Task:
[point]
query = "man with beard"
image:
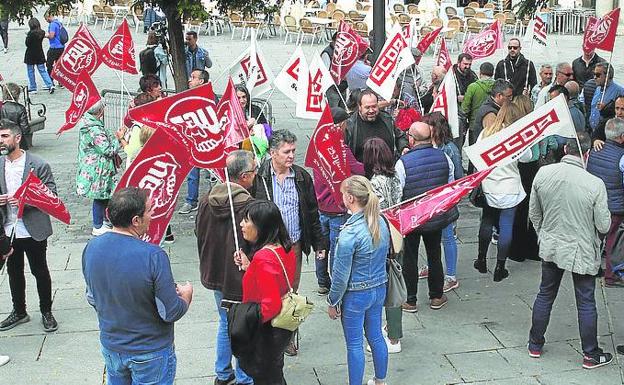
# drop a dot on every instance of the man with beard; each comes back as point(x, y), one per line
point(463, 74)
point(30, 232)
point(514, 69)
point(369, 122)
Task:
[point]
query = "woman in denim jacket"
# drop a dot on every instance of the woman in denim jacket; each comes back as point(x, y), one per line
point(358, 287)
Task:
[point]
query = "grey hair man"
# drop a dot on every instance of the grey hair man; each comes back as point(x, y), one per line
point(563, 74)
point(606, 91)
point(216, 265)
point(291, 188)
point(608, 165)
point(546, 76)
point(569, 243)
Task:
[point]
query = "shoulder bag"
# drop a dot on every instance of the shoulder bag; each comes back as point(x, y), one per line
point(295, 308)
point(396, 291)
point(477, 197)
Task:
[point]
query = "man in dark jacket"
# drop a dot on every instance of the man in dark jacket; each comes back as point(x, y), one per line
point(12, 110)
point(369, 122)
point(514, 69)
point(421, 169)
point(463, 74)
point(608, 165)
point(583, 66)
point(501, 94)
point(291, 188)
point(215, 243)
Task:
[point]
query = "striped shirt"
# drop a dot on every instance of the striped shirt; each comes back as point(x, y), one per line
point(286, 198)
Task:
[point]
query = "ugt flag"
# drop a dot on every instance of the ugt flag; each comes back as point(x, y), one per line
point(444, 58)
point(160, 168)
point(446, 102)
point(349, 47)
point(313, 82)
point(395, 57)
point(286, 80)
point(600, 31)
point(85, 95)
point(409, 215)
point(118, 52)
point(252, 70)
point(327, 154)
point(34, 193)
point(506, 146)
point(486, 42)
point(82, 53)
point(191, 118)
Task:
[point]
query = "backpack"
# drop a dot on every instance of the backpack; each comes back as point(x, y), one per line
point(63, 35)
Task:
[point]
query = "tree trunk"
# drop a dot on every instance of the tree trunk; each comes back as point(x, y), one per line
point(176, 45)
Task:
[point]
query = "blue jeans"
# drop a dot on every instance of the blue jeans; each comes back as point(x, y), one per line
point(361, 311)
point(32, 84)
point(157, 367)
point(192, 194)
point(330, 226)
point(489, 218)
point(584, 287)
point(223, 363)
point(450, 249)
point(99, 212)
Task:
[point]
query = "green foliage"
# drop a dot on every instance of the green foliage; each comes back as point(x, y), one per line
point(530, 7)
point(22, 10)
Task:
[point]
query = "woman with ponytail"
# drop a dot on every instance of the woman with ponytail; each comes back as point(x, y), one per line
point(358, 287)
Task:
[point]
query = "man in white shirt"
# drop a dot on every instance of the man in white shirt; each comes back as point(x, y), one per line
point(30, 232)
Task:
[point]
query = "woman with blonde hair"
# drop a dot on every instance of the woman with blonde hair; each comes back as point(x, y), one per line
point(358, 287)
point(503, 192)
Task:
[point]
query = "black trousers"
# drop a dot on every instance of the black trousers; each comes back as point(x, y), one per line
point(53, 55)
point(4, 32)
point(36, 253)
point(266, 364)
point(434, 260)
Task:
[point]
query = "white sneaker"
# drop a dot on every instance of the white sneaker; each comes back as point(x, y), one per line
point(4, 360)
point(392, 348)
point(6, 50)
point(372, 382)
point(95, 232)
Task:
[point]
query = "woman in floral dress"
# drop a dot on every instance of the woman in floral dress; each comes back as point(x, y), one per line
point(97, 154)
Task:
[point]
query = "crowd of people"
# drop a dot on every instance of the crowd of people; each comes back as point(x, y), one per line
point(273, 212)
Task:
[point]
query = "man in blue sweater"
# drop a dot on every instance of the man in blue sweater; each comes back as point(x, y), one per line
point(130, 285)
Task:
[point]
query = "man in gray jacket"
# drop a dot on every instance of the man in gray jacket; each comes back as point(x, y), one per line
point(30, 232)
point(569, 211)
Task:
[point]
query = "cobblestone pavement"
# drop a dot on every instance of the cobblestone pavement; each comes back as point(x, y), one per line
point(479, 338)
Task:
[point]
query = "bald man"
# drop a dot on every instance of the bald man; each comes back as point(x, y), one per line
point(437, 75)
point(421, 169)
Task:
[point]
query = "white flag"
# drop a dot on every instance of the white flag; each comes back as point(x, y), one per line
point(506, 146)
point(446, 102)
point(286, 80)
point(311, 89)
point(252, 70)
point(394, 58)
point(537, 33)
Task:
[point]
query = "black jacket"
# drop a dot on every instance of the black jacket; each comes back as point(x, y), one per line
point(243, 322)
point(607, 112)
point(34, 51)
point(355, 141)
point(464, 80)
point(582, 72)
point(516, 73)
point(311, 234)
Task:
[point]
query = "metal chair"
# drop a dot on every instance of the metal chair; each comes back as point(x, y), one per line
point(306, 28)
point(290, 27)
point(398, 8)
point(469, 12)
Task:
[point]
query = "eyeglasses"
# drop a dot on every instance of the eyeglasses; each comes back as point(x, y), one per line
point(255, 169)
point(513, 47)
point(568, 74)
point(597, 74)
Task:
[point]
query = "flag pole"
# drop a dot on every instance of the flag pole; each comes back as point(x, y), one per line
point(229, 190)
point(266, 101)
point(604, 90)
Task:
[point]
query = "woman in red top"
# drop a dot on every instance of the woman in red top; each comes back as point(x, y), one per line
point(265, 283)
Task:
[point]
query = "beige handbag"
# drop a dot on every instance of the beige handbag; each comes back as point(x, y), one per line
point(295, 308)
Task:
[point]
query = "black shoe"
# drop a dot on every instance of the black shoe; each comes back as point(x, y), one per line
point(620, 349)
point(48, 321)
point(597, 361)
point(500, 273)
point(13, 320)
point(481, 265)
point(229, 381)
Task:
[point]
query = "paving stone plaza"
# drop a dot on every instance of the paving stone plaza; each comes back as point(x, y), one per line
point(480, 337)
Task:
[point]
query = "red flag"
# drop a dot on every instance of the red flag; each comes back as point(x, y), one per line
point(327, 154)
point(349, 47)
point(485, 43)
point(191, 118)
point(600, 32)
point(84, 97)
point(160, 168)
point(444, 58)
point(118, 53)
point(231, 117)
point(1, 78)
point(81, 54)
point(409, 215)
point(34, 193)
point(426, 41)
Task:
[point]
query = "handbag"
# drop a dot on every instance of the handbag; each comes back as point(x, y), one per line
point(396, 290)
point(295, 308)
point(477, 197)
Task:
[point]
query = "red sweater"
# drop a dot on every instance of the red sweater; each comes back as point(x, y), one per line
point(264, 282)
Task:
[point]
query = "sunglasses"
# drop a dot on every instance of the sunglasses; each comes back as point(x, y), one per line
point(513, 47)
point(568, 74)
